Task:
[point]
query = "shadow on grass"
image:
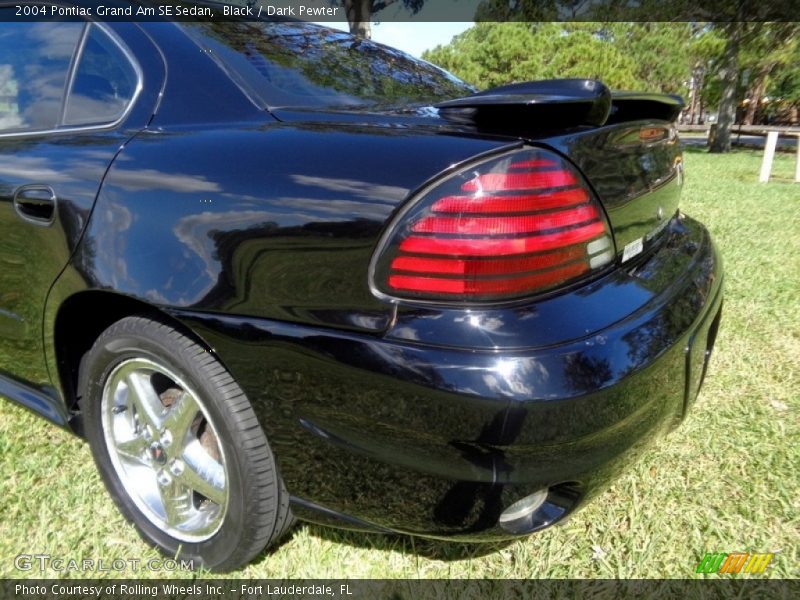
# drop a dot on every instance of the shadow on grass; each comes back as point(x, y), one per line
point(742, 148)
point(404, 544)
point(735, 150)
point(695, 150)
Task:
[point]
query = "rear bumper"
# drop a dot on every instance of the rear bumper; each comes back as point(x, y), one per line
point(399, 434)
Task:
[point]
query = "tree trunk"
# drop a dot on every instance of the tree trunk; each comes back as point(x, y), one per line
point(730, 80)
point(359, 13)
point(697, 86)
point(757, 91)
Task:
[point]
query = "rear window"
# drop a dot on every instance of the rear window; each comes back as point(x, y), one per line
point(305, 65)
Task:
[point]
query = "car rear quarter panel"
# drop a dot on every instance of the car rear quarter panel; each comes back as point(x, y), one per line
point(267, 220)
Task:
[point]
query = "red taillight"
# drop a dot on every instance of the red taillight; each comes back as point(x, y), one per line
point(510, 204)
point(508, 227)
point(506, 224)
point(533, 179)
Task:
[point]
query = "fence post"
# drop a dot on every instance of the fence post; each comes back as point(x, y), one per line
point(797, 167)
point(769, 155)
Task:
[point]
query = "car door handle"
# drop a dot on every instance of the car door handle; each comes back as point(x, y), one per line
point(36, 204)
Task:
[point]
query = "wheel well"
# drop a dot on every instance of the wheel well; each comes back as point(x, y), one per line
point(80, 321)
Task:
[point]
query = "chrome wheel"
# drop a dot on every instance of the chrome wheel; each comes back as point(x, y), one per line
point(165, 449)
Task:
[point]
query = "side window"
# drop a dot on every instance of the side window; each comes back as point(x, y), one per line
point(104, 82)
point(34, 64)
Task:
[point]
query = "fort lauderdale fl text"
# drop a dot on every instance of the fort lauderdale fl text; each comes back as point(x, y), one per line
point(176, 10)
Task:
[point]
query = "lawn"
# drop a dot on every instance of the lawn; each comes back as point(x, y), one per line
point(726, 480)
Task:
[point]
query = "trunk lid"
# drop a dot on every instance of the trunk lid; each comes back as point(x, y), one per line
point(636, 171)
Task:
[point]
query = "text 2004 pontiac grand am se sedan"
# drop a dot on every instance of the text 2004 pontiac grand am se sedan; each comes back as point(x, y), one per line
point(271, 271)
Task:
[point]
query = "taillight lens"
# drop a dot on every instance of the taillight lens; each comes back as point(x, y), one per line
point(507, 227)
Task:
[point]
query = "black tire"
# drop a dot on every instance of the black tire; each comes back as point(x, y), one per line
point(253, 511)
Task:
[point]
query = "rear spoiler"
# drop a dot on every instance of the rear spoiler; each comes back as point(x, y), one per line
point(633, 106)
point(558, 104)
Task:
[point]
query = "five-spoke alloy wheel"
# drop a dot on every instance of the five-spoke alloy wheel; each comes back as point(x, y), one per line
point(165, 449)
point(179, 446)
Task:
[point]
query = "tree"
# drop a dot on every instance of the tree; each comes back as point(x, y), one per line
point(519, 11)
point(705, 49)
point(729, 75)
point(689, 11)
point(663, 52)
point(359, 13)
point(785, 86)
point(772, 45)
point(641, 56)
point(762, 46)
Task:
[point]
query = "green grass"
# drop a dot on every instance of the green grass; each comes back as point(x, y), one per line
point(726, 480)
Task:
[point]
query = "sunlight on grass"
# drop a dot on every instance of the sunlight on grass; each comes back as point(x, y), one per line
point(726, 480)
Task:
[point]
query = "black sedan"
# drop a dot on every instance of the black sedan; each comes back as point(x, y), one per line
point(271, 271)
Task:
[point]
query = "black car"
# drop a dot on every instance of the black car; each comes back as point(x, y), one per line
point(272, 271)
